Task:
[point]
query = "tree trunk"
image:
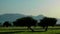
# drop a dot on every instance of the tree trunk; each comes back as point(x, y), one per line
point(46, 28)
point(31, 29)
point(43, 27)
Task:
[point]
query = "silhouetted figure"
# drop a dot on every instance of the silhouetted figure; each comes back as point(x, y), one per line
point(45, 22)
point(25, 21)
point(6, 24)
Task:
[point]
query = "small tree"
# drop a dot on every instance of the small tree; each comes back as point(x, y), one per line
point(6, 23)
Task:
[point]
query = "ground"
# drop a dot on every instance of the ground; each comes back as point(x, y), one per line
point(23, 30)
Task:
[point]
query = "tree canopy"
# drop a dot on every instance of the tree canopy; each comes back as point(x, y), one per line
point(48, 21)
point(25, 21)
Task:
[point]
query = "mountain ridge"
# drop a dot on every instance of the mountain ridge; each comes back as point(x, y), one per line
point(13, 17)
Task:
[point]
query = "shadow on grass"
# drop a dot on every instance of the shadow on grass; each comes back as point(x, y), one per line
point(11, 32)
point(18, 32)
point(36, 31)
point(6, 32)
point(57, 33)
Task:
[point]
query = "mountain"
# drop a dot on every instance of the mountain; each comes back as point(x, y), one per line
point(58, 21)
point(13, 17)
point(38, 18)
point(10, 17)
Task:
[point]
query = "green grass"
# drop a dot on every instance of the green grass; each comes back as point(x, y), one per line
point(23, 30)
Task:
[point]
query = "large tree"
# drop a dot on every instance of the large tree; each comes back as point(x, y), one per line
point(25, 21)
point(45, 22)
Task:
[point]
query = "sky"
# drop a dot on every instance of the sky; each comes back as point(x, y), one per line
point(50, 8)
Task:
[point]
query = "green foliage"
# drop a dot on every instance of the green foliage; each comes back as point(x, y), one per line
point(25, 21)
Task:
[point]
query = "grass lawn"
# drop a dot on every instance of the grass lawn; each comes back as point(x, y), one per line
point(23, 30)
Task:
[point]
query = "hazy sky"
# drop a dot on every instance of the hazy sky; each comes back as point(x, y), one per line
point(50, 8)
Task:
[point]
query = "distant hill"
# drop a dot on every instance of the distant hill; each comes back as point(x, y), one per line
point(13, 17)
point(58, 21)
point(38, 18)
point(10, 17)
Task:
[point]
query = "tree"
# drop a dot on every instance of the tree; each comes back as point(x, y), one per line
point(45, 22)
point(6, 23)
point(25, 21)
